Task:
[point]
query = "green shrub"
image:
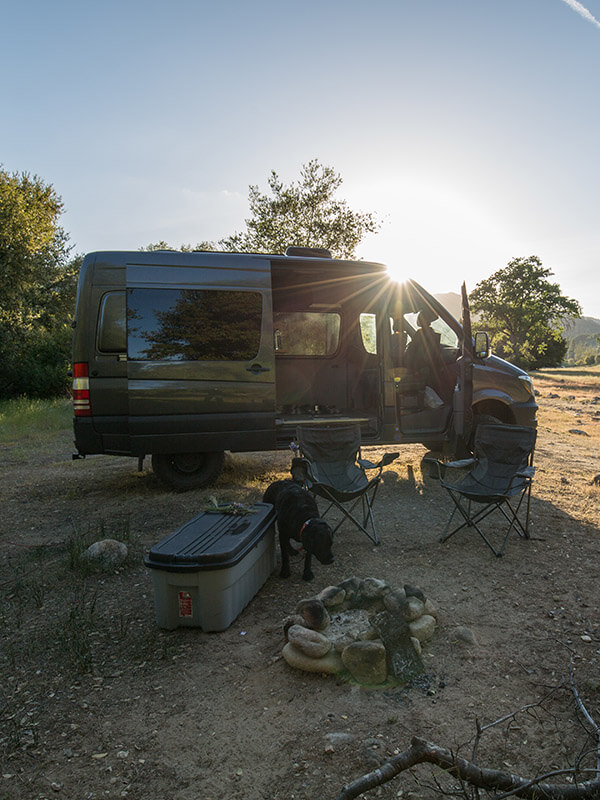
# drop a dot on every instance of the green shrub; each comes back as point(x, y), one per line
point(35, 362)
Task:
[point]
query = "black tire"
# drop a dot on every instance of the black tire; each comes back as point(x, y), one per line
point(184, 471)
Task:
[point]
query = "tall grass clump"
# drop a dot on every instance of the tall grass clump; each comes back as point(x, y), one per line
point(75, 629)
point(30, 418)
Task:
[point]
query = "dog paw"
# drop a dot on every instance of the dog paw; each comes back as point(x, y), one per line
point(308, 576)
point(285, 573)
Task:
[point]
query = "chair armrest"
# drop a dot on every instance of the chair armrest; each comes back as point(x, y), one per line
point(366, 464)
point(443, 465)
point(526, 472)
point(387, 459)
point(463, 463)
point(300, 469)
point(435, 462)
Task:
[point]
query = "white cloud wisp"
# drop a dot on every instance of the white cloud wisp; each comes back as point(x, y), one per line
point(582, 10)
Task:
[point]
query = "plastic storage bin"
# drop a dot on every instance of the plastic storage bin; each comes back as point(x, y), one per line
point(207, 572)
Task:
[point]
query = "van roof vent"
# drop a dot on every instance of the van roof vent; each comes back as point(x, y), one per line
point(308, 252)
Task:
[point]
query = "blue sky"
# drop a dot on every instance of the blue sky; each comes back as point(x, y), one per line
point(470, 127)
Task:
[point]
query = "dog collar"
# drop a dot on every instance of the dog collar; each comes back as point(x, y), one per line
point(306, 524)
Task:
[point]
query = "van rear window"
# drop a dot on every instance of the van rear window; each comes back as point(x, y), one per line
point(111, 323)
point(193, 325)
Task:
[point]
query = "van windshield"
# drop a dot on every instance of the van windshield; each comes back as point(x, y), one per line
point(448, 337)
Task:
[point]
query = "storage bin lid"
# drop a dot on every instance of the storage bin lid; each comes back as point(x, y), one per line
point(211, 540)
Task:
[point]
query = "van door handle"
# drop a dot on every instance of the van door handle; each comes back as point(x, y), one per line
point(256, 368)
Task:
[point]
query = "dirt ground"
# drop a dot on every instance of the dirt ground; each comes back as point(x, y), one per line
point(97, 702)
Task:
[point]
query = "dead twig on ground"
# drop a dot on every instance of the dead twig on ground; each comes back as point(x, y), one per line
point(423, 752)
point(505, 783)
point(585, 713)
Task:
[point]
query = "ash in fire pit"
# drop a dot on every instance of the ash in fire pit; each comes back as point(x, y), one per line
point(364, 629)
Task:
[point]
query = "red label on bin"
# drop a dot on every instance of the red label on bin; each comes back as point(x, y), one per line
point(185, 604)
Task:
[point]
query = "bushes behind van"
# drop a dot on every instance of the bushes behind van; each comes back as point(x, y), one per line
point(34, 362)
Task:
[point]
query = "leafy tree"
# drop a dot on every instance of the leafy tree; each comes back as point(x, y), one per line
point(524, 312)
point(306, 213)
point(37, 288)
point(184, 248)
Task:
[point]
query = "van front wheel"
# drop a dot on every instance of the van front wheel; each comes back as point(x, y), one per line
point(183, 471)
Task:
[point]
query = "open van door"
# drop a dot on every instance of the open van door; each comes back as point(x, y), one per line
point(463, 392)
point(426, 342)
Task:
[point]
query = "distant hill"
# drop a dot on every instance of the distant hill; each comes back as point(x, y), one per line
point(581, 334)
point(584, 326)
point(451, 301)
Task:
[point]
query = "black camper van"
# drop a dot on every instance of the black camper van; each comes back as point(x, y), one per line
point(183, 356)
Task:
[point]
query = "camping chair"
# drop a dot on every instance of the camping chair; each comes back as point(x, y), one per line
point(499, 477)
point(330, 467)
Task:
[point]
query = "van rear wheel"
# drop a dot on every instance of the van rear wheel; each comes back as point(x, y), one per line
point(183, 471)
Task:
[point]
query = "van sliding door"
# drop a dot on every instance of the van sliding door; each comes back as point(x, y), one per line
point(201, 373)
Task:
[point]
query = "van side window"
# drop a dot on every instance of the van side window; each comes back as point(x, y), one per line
point(112, 336)
point(306, 333)
point(368, 332)
point(193, 324)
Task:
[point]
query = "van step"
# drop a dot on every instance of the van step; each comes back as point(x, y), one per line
point(326, 419)
point(286, 426)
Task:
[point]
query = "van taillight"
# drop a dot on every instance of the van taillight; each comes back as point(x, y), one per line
point(81, 390)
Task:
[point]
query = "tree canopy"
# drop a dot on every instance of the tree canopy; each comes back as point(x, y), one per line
point(524, 312)
point(305, 213)
point(33, 246)
point(37, 287)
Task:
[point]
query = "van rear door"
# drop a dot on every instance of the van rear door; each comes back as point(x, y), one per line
point(200, 369)
point(100, 354)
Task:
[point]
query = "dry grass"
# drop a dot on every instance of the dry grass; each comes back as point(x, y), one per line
point(582, 379)
point(31, 419)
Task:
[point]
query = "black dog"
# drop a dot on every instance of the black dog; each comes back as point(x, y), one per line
point(298, 519)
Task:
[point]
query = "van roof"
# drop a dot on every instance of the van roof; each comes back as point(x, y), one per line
point(170, 257)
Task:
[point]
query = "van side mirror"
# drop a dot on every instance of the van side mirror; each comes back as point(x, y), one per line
point(482, 344)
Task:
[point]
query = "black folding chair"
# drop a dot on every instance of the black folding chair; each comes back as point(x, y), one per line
point(499, 478)
point(331, 467)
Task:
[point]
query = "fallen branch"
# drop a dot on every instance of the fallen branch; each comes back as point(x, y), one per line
point(491, 780)
point(423, 752)
point(585, 713)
